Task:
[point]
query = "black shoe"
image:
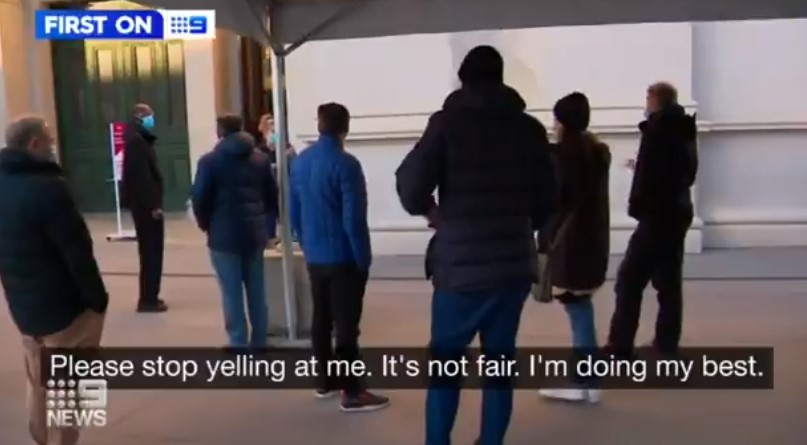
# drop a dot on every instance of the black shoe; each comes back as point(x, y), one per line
point(363, 402)
point(152, 308)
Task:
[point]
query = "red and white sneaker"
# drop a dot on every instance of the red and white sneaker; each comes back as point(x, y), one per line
point(363, 402)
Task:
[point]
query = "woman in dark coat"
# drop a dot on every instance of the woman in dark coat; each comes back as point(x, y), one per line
point(580, 229)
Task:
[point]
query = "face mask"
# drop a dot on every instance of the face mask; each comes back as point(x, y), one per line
point(275, 139)
point(148, 122)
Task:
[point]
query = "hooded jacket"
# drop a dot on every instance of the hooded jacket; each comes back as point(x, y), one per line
point(47, 266)
point(489, 162)
point(666, 166)
point(234, 196)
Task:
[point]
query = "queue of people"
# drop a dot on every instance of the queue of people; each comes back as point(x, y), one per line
point(482, 258)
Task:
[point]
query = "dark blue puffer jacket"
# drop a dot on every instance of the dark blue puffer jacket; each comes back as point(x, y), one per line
point(233, 196)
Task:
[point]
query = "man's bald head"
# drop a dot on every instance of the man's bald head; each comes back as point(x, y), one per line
point(30, 133)
point(141, 110)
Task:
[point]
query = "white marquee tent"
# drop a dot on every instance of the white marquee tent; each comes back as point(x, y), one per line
point(286, 24)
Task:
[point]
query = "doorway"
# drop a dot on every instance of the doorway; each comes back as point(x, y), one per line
point(98, 82)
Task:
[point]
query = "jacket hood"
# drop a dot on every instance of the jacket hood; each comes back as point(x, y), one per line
point(675, 118)
point(240, 145)
point(488, 99)
point(20, 161)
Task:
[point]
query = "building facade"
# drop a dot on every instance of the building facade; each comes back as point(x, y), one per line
point(745, 81)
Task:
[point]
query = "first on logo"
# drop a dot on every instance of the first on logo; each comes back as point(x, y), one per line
point(77, 24)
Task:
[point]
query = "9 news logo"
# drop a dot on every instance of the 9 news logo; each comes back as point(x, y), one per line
point(76, 403)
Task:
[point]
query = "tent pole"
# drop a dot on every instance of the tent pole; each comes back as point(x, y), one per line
point(281, 116)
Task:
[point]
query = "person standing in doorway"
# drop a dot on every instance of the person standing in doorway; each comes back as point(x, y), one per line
point(268, 139)
point(51, 280)
point(577, 236)
point(328, 212)
point(233, 193)
point(267, 143)
point(143, 195)
point(490, 164)
point(661, 201)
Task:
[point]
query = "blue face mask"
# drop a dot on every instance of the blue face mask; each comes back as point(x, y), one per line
point(275, 139)
point(148, 122)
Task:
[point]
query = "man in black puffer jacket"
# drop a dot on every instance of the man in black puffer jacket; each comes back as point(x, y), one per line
point(50, 277)
point(661, 201)
point(234, 194)
point(489, 162)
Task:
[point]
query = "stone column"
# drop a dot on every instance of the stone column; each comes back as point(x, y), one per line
point(228, 72)
point(26, 69)
point(14, 80)
point(200, 87)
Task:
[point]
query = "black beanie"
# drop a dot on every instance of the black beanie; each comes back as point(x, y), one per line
point(573, 112)
point(483, 64)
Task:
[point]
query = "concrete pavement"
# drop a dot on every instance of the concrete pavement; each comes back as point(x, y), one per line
point(186, 256)
point(397, 314)
point(770, 312)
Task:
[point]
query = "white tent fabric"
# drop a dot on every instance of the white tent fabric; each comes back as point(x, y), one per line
point(291, 20)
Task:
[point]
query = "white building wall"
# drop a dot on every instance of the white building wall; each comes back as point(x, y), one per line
point(749, 79)
point(743, 75)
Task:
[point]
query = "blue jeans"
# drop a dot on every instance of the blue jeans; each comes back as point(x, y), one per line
point(235, 274)
point(584, 332)
point(456, 319)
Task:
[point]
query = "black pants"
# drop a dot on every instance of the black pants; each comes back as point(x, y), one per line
point(150, 243)
point(338, 294)
point(655, 254)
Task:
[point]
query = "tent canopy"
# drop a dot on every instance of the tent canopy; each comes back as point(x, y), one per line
point(298, 20)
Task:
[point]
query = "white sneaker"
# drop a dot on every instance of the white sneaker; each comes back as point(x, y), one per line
point(591, 396)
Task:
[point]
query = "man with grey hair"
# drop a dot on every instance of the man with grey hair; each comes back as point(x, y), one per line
point(50, 277)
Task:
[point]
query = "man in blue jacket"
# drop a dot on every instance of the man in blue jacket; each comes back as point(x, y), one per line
point(233, 195)
point(328, 210)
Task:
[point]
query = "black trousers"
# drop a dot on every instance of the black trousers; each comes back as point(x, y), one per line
point(655, 255)
point(338, 294)
point(150, 245)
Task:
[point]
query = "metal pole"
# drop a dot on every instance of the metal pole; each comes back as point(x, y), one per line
point(280, 115)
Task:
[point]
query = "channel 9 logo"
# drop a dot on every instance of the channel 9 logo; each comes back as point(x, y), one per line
point(76, 403)
point(125, 24)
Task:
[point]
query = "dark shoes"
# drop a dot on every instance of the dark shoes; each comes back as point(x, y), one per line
point(359, 403)
point(152, 308)
point(363, 402)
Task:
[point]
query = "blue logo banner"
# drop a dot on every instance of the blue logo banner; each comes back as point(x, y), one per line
point(109, 25)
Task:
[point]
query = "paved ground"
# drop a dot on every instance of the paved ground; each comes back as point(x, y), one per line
point(186, 256)
point(718, 313)
point(771, 312)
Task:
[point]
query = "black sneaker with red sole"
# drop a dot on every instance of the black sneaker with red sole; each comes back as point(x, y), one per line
point(363, 402)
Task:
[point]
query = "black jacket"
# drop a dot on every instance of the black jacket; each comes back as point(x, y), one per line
point(142, 184)
point(666, 167)
point(234, 196)
point(580, 254)
point(489, 161)
point(47, 266)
